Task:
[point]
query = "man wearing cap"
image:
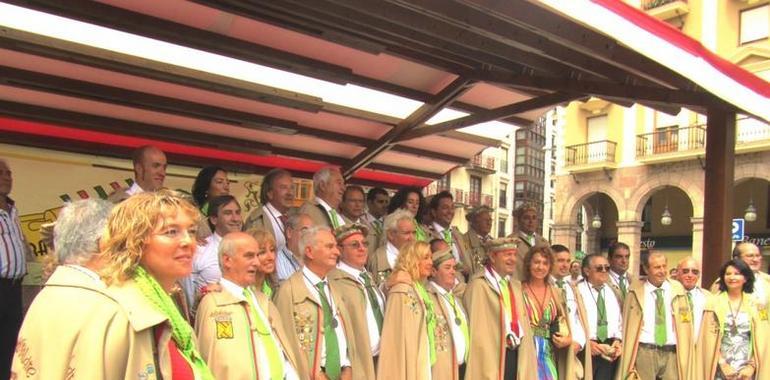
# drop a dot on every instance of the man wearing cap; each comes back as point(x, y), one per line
point(452, 330)
point(328, 186)
point(479, 227)
point(501, 346)
point(442, 211)
point(359, 292)
point(400, 229)
point(527, 222)
point(239, 320)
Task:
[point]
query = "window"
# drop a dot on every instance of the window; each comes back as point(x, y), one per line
point(501, 227)
point(444, 183)
point(504, 160)
point(503, 195)
point(475, 184)
point(754, 24)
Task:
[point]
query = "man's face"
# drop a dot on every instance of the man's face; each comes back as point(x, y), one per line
point(751, 256)
point(504, 261)
point(528, 221)
point(352, 204)
point(292, 235)
point(353, 251)
point(6, 180)
point(379, 206)
point(324, 253)
point(688, 274)
point(619, 261)
point(228, 219)
point(482, 223)
point(404, 233)
point(151, 172)
point(241, 267)
point(598, 271)
point(444, 274)
point(561, 264)
point(281, 194)
point(657, 270)
point(332, 191)
point(444, 213)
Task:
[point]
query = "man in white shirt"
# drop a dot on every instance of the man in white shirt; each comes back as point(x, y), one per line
point(619, 255)
point(224, 317)
point(688, 273)
point(149, 173)
point(442, 210)
point(399, 229)
point(276, 196)
point(446, 295)
point(604, 321)
point(224, 217)
point(572, 303)
point(328, 186)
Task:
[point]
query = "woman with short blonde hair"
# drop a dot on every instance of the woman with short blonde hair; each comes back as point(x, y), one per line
point(266, 282)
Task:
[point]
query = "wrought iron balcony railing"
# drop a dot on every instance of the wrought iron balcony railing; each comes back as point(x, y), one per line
point(592, 152)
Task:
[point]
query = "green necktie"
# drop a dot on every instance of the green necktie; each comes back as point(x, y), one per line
point(560, 284)
point(372, 294)
point(448, 236)
point(335, 221)
point(377, 224)
point(601, 316)
point(506, 297)
point(269, 344)
point(622, 285)
point(461, 318)
point(689, 301)
point(332, 365)
point(660, 318)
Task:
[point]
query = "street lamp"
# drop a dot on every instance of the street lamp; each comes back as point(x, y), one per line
point(596, 222)
point(665, 219)
point(751, 212)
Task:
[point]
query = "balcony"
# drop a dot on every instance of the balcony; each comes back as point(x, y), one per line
point(591, 156)
point(665, 9)
point(671, 144)
point(478, 199)
point(482, 164)
point(751, 135)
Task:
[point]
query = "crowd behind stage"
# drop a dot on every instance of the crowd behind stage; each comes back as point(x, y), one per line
point(154, 284)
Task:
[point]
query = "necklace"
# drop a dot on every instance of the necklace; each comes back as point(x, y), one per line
point(541, 301)
point(734, 315)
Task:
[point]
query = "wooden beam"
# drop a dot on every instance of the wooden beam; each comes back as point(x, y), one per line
point(419, 116)
point(719, 189)
point(493, 114)
point(407, 171)
point(429, 154)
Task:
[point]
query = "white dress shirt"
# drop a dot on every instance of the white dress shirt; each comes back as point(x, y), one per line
point(326, 207)
point(611, 305)
point(699, 298)
point(206, 263)
point(648, 308)
point(391, 253)
point(615, 279)
point(455, 248)
point(461, 346)
point(134, 189)
point(371, 321)
point(311, 279)
point(578, 330)
point(279, 230)
point(263, 364)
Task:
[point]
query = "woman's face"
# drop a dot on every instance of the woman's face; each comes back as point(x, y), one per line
point(267, 258)
point(168, 253)
point(539, 268)
point(412, 203)
point(733, 278)
point(425, 264)
point(219, 185)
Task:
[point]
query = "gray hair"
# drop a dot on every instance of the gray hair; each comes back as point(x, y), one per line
point(309, 237)
point(293, 220)
point(78, 228)
point(392, 219)
point(322, 176)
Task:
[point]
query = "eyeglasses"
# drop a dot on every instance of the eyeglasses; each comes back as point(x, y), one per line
point(688, 271)
point(356, 244)
point(602, 268)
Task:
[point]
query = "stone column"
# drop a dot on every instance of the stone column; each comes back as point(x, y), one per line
point(697, 239)
point(566, 235)
point(630, 232)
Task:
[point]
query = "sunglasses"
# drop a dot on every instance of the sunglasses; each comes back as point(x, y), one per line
point(688, 271)
point(602, 268)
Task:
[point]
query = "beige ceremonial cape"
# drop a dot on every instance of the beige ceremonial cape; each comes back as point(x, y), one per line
point(108, 334)
point(353, 295)
point(227, 336)
point(476, 252)
point(568, 362)
point(486, 320)
point(302, 316)
point(446, 366)
point(258, 220)
point(522, 248)
point(404, 348)
point(378, 264)
point(711, 331)
point(466, 265)
point(632, 328)
point(318, 214)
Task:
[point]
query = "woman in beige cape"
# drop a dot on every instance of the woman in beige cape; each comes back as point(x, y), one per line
point(407, 349)
point(734, 331)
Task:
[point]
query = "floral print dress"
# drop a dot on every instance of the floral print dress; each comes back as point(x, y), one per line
point(540, 322)
point(736, 342)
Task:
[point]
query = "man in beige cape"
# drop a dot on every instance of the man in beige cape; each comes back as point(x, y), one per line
point(399, 230)
point(527, 222)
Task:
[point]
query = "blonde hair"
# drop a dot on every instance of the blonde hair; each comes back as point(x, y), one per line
point(262, 237)
point(409, 258)
point(131, 224)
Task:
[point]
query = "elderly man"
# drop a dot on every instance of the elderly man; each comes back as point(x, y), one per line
point(619, 254)
point(276, 196)
point(501, 346)
point(445, 292)
point(688, 273)
point(749, 253)
point(149, 173)
point(13, 267)
point(573, 302)
point(313, 311)
point(399, 229)
point(70, 296)
point(442, 211)
point(527, 223)
point(359, 291)
point(289, 258)
point(479, 227)
point(657, 329)
point(604, 321)
point(328, 186)
point(239, 319)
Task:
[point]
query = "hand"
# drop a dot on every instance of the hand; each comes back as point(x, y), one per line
point(746, 373)
point(322, 376)
point(210, 288)
point(618, 349)
point(728, 370)
point(346, 374)
point(596, 349)
point(561, 341)
point(397, 277)
point(576, 347)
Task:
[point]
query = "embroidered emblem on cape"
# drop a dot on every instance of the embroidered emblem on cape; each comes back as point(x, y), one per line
point(412, 302)
point(225, 330)
point(442, 334)
point(303, 325)
point(685, 314)
point(762, 310)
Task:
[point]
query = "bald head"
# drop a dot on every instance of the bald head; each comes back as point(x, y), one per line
point(749, 253)
point(149, 167)
point(688, 272)
point(238, 258)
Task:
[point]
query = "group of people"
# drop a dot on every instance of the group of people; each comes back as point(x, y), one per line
point(359, 285)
